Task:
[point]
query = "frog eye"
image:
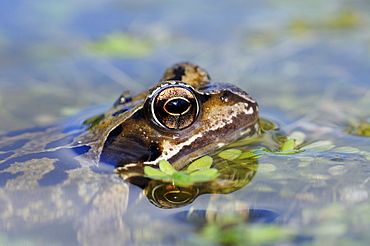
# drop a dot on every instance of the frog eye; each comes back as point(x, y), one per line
point(174, 107)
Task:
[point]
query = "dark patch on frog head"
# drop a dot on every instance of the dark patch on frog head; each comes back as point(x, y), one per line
point(187, 72)
point(203, 98)
point(208, 87)
point(129, 149)
point(113, 135)
point(178, 72)
point(122, 149)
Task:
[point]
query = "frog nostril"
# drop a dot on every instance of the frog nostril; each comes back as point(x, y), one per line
point(225, 96)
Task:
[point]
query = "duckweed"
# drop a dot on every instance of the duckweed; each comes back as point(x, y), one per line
point(198, 172)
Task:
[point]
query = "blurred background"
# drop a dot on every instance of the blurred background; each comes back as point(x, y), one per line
point(59, 57)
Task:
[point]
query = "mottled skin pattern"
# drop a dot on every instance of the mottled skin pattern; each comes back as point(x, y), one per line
point(49, 174)
point(226, 114)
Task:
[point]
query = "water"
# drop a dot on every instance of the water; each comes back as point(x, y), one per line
point(307, 64)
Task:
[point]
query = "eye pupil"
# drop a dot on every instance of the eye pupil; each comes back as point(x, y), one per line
point(173, 106)
point(177, 106)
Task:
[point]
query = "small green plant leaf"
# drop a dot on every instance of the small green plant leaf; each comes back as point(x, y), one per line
point(246, 155)
point(202, 163)
point(183, 183)
point(153, 173)
point(288, 145)
point(180, 176)
point(166, 167)
point(204, 175)
point(230, 154)
point(200, 178)
point(198, 172)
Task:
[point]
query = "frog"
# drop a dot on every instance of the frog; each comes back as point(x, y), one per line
point(182, 117)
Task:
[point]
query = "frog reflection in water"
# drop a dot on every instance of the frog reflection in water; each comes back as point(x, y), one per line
point(183, 117)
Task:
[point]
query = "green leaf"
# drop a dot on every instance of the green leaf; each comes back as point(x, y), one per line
point(200, 178)
point(211, 173)
point(230, 154)
point(288, 145)
point(166, 167)
point(183, 183)
point(180, 176)
point(246, 155)
point(201, 164)
point(152, 172)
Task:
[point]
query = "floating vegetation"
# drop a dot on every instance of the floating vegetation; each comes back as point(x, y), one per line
point(361, 128)
point(342, 19)
point(232, 230)
point(230, 154)
point(289, 147)
point(120, 45)
point(201, 169)
point(203, 163)
point(198, 171)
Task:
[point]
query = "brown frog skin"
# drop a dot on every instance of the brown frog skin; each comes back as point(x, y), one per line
point(183, 117)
